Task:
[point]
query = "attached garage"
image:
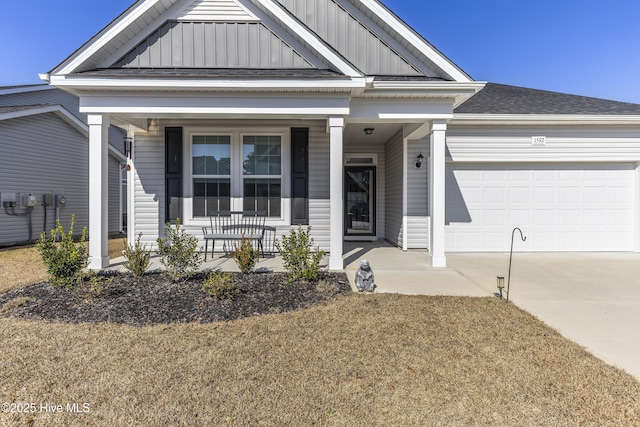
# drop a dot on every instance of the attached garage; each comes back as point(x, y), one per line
point(559, 206)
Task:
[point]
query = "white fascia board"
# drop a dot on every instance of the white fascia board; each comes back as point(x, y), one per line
point(89, 83)
point(24, 89)
point(197, 104)
point(465, 118)
point(219, 111)
point(408, 34)
point(311, 38)
point(112, 31)
point(440, 86)
point(400, 110)
point(60, 111)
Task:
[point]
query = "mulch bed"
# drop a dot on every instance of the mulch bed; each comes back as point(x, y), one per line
point(154, 299)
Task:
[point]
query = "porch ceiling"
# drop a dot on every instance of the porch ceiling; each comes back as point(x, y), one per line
point(383, 132)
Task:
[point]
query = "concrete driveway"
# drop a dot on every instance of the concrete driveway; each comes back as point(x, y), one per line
point(591, 298)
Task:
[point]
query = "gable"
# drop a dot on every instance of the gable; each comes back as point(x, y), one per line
point(350, 37)
point(213, 45)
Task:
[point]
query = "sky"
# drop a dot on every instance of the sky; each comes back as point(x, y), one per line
point(583, 47)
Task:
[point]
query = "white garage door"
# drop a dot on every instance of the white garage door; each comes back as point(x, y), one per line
point(559, 207)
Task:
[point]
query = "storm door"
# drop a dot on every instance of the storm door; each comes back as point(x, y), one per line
point(360, 201)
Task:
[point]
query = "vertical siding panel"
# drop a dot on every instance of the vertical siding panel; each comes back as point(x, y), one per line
point(176, 46)
point(198, 45)
point(358, 44)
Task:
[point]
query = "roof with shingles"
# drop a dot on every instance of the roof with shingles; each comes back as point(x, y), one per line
point(503, 99)
point(12, 109)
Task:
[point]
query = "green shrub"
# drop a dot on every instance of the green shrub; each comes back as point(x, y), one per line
point(221, 286)
point(138, 257)
point(244, 255)
point(66, 258)
point(300, 261)
point(91, 285)
point(178, 252)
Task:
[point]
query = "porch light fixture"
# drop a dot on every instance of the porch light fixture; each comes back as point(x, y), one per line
point(368, 131)
point(127, 146)
point(419, 160)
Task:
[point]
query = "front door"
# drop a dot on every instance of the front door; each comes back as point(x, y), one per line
point(360, 201)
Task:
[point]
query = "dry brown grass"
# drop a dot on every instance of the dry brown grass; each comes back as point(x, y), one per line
point(21, 266)
point(363, 361)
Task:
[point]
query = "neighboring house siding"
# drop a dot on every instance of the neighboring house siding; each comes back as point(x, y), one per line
point(44, 96)
point(393, 183)
point(114, 195)
point(38, 155)
point(417, 193)
point(349, 37)
point(213, 45)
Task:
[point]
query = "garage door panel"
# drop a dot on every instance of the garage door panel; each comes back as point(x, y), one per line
point(560, 207)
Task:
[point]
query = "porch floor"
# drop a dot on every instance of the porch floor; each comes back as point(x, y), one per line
point(395, 271)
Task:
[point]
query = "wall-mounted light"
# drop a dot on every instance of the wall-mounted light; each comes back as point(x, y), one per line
point(419, 160)
point(127, 146)
point(368, 131)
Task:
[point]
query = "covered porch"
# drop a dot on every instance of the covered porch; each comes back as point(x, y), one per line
point(407, 140)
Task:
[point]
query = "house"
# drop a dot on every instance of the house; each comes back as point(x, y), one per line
point(44, 152)
point(336, 114)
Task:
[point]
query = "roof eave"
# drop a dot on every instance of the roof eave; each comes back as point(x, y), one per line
point(533, 119)
point(83, 83)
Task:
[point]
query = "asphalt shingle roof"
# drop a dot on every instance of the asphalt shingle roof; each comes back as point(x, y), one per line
point(503, 99)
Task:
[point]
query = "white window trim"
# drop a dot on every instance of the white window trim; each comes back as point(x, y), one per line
point(237, 176)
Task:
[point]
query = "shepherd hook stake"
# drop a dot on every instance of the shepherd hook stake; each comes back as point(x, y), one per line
point(524, 239)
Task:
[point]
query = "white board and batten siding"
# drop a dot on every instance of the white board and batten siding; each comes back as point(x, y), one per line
point(579, 192)
point(33, 161)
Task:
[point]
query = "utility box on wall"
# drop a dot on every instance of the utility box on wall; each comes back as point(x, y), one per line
point(9, 200)
point(28, 200)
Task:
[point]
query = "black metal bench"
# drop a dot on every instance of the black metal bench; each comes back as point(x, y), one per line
point(230, 226)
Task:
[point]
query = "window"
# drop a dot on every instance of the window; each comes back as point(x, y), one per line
point(211, 162)
point(262, 173)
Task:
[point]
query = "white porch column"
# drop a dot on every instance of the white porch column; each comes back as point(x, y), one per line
point(336, 127)
point(98, 191)
point(437, 194)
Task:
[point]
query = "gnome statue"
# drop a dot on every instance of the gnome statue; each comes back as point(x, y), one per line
point(364, 277)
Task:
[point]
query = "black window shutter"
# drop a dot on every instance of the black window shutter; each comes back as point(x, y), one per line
point(300, 176)
point(173, 172)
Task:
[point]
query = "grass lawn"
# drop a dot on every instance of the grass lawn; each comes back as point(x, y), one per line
point(365, 360)
point(23, 266)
